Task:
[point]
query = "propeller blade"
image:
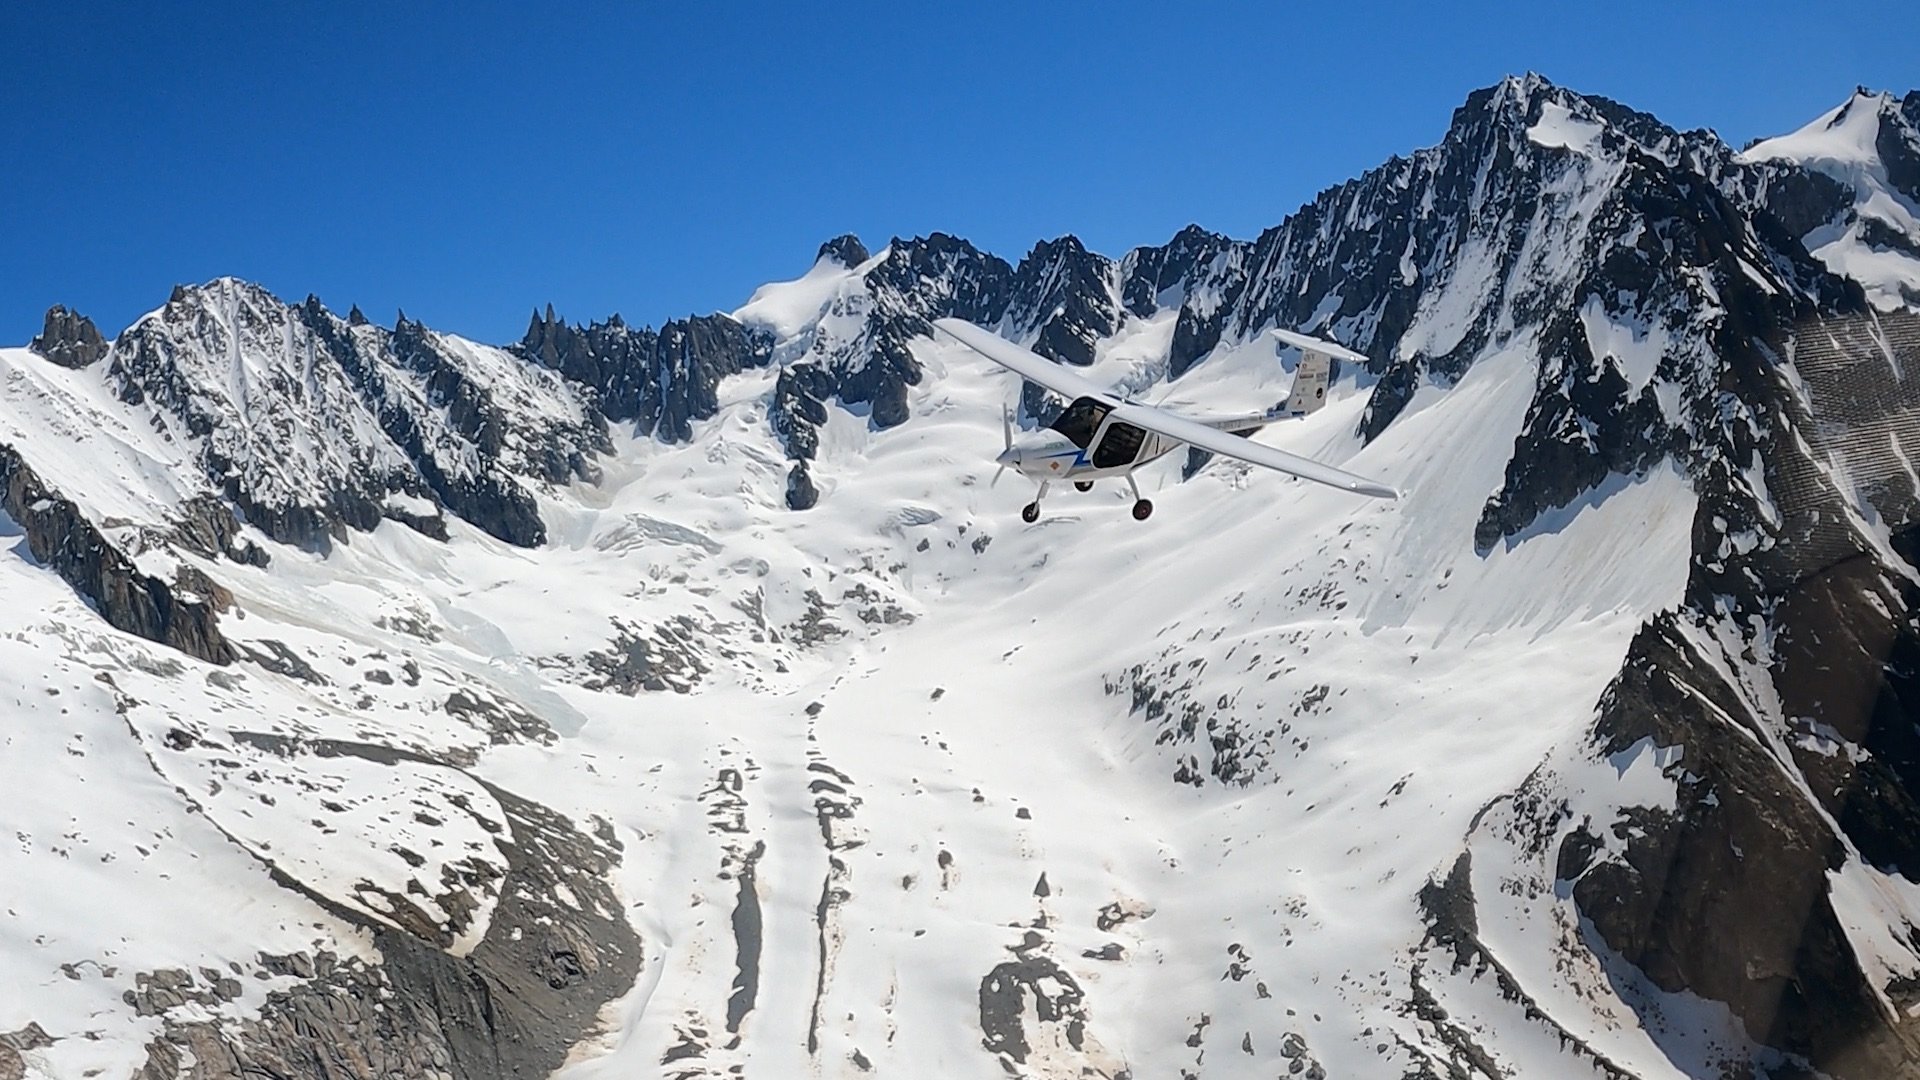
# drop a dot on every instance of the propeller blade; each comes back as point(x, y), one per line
point(1006, 424)
point(996, 476)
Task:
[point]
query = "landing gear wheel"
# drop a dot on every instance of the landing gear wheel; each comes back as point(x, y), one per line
point(1142, 510)
point(1030, 513)
point(1083, 485)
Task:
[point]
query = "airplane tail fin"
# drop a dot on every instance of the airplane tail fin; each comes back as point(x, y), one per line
point(1310, 383)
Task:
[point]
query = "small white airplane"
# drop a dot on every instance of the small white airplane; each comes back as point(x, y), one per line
point(1100, 435)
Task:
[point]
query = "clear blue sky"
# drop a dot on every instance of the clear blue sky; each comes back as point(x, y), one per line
point(468, 161)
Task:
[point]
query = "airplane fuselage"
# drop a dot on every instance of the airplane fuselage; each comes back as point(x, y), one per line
point(1083, 443)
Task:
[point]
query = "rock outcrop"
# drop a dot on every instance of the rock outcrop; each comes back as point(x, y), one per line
point(69, 339)
point(313, 426)
point(182, 613)
point(556, 950)
point(660, 381)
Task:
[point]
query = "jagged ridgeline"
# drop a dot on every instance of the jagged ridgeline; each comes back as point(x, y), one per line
point(1716, 847)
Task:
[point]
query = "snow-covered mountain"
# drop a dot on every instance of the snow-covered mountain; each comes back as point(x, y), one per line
point(1863, 160)
point(684, 701)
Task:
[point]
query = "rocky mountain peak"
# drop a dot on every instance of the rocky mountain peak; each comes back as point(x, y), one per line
point(660, 381)
point(1064, 298)
point(1880, 101)
point(1523, 89)
point(1515, 99)
point(845, 249)
point(1155, 277)
point(1848, 184)
point(1521, 105)
point(941, 274)
point(313, 426)
point(69, 338)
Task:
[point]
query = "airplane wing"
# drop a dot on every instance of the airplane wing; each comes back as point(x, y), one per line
point(1055, 377)
point(1224, 442)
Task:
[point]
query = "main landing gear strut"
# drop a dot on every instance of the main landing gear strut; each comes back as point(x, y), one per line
point(1142, 508)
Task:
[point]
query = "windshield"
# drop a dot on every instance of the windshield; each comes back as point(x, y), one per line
point(1080, 421)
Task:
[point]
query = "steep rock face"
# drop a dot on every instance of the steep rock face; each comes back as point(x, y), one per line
point(662, 381)
point(1680, 286)
point(1194, 273)
point(1152, 278)
point(1738, 825)
point(313, 426)
point(555, 950)
point(919, 280)
point(69, 339)
point(1063, 300)
point(180, 613)
point(1789, 683)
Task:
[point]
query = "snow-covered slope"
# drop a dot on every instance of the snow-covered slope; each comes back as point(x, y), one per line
point(686, 702)
point(1870, 146)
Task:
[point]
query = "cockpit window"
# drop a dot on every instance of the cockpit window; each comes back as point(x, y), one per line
point(1080, 421)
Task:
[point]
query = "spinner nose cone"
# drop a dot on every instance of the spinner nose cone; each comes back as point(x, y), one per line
point(1009, 458)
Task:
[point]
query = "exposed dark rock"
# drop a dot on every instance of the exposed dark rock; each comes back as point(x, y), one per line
point(1194, 336)
point(942, 276)
point(1153, 276)
point(15, 1043)
point(1899, 146)
point(1016, 993)
point(668, 658)
point(1060, 295)
point(845, 249)
point(1803, 201)
point(746, 937)
point(208, 527)
point(181, 614)
point(555, 951)
point(801, 494)
point(1582, 427)
point(1726, 897)
point(663, 381)
point(919, 280)
point(1447, 904)
point(313, 426)
point(1729, 894)
point(800, 397)
point(504, 721)
point(69, 339)
point(881, 382)
point(281, 660)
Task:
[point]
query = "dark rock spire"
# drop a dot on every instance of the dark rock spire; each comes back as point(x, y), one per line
point(69, 338)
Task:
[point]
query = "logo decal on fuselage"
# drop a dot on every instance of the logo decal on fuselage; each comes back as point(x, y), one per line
point(1079, 459)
